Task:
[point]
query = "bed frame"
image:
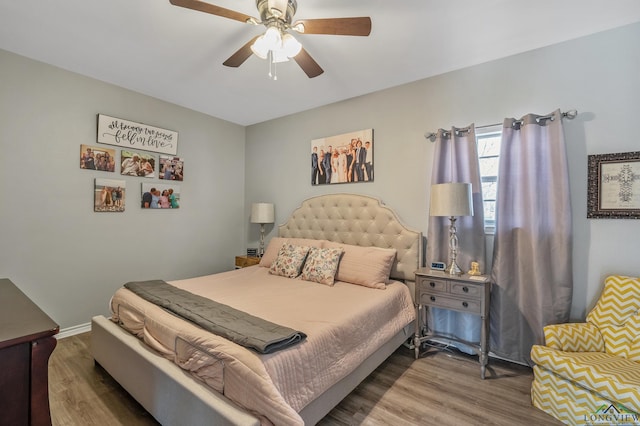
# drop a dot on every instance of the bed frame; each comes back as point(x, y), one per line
point(173, 397)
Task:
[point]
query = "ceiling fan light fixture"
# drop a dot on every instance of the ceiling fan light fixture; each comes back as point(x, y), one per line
point(290, 45)
point(282, 46)
point(259, 48)
point(279, 55)
point(273, 38)
point(277, 17)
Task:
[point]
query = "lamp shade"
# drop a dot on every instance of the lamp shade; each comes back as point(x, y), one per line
point(290, 45)
point(262, 213)
point(451, 199)
point(260, 48)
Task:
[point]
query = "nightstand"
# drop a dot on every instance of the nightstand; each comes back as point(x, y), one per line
point(464, 293)
point(244, 261)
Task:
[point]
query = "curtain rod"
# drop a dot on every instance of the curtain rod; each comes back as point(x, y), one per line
point(571, 114)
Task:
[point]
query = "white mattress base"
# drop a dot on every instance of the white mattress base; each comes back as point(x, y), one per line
point(174, 397)
point(171, 395)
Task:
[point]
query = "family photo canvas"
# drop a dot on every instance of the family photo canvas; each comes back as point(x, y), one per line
point(345, 158)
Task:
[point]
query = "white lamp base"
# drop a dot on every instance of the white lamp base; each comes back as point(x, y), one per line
point(453, 268)
point(261, 253)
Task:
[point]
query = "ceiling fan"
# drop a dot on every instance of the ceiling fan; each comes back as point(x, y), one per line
point(277, 44)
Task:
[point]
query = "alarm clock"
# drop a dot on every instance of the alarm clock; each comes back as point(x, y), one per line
point(438, 266)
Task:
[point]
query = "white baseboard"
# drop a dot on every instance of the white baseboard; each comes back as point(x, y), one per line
point(72, 331)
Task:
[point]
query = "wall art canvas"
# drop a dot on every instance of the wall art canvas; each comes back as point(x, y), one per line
point(131, 135)
point(171, 168)
point(109, 195)
point(614, 186)
point(97, 158)
point(160, 196)
point(346, 158)
point(134, 163)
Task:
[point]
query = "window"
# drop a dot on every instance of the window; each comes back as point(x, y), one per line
point(488, 142)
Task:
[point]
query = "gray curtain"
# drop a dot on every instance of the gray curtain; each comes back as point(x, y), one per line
point(532, 265)
point(456, 160)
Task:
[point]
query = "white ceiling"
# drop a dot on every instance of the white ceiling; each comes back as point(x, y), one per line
point(176, 54)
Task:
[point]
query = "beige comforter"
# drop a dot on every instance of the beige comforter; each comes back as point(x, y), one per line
point(344, 324)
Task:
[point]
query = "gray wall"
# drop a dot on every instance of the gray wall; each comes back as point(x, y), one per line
point(597, 75)
point(69, 259)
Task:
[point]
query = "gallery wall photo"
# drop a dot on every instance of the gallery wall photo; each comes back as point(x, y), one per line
point(97, 158)
point(160, 196)
point(149, 152)
point(109, 195)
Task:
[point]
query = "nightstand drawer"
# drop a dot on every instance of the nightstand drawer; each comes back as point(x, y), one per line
point(433, 300)
point(244, 261)
point(467, 290)
point(432, 285)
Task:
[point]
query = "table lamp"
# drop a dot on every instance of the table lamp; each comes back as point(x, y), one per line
point(451, 199)
point(262, 213)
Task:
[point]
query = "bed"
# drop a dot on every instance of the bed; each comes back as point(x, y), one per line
point(183, 377)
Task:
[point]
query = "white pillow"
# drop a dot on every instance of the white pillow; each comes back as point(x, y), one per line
point(366, 266)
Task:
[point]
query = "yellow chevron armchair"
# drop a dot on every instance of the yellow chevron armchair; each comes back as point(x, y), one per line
point(589, 373)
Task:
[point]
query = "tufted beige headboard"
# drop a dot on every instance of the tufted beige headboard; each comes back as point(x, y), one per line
point(357, 220)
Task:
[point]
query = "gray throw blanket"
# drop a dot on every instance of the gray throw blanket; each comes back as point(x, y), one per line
point(239, 327)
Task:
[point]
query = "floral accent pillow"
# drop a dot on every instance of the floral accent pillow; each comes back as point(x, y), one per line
point(321, 265)
point(275, 244)
point(289, 261)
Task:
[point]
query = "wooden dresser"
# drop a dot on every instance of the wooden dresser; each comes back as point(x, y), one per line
point(26, 343)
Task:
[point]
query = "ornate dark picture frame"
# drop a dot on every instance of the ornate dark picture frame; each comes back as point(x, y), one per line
point(614, 186)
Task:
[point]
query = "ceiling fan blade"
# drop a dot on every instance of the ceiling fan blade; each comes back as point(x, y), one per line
point(336, 26)
point(308, 64)
point(209, 8)
point(241, 55)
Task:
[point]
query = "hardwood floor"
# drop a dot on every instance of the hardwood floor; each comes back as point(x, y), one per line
point(82, 394)
point(438, 389)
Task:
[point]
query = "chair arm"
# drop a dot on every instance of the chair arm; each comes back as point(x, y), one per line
point(574, 337)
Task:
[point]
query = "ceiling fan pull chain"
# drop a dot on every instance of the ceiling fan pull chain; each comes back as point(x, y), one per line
point(272, 65)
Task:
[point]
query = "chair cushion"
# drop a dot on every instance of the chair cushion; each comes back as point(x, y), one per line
point(616, 315)
point(614, 377)
point(574, 337)
point(562, 398)
point(626, 342)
